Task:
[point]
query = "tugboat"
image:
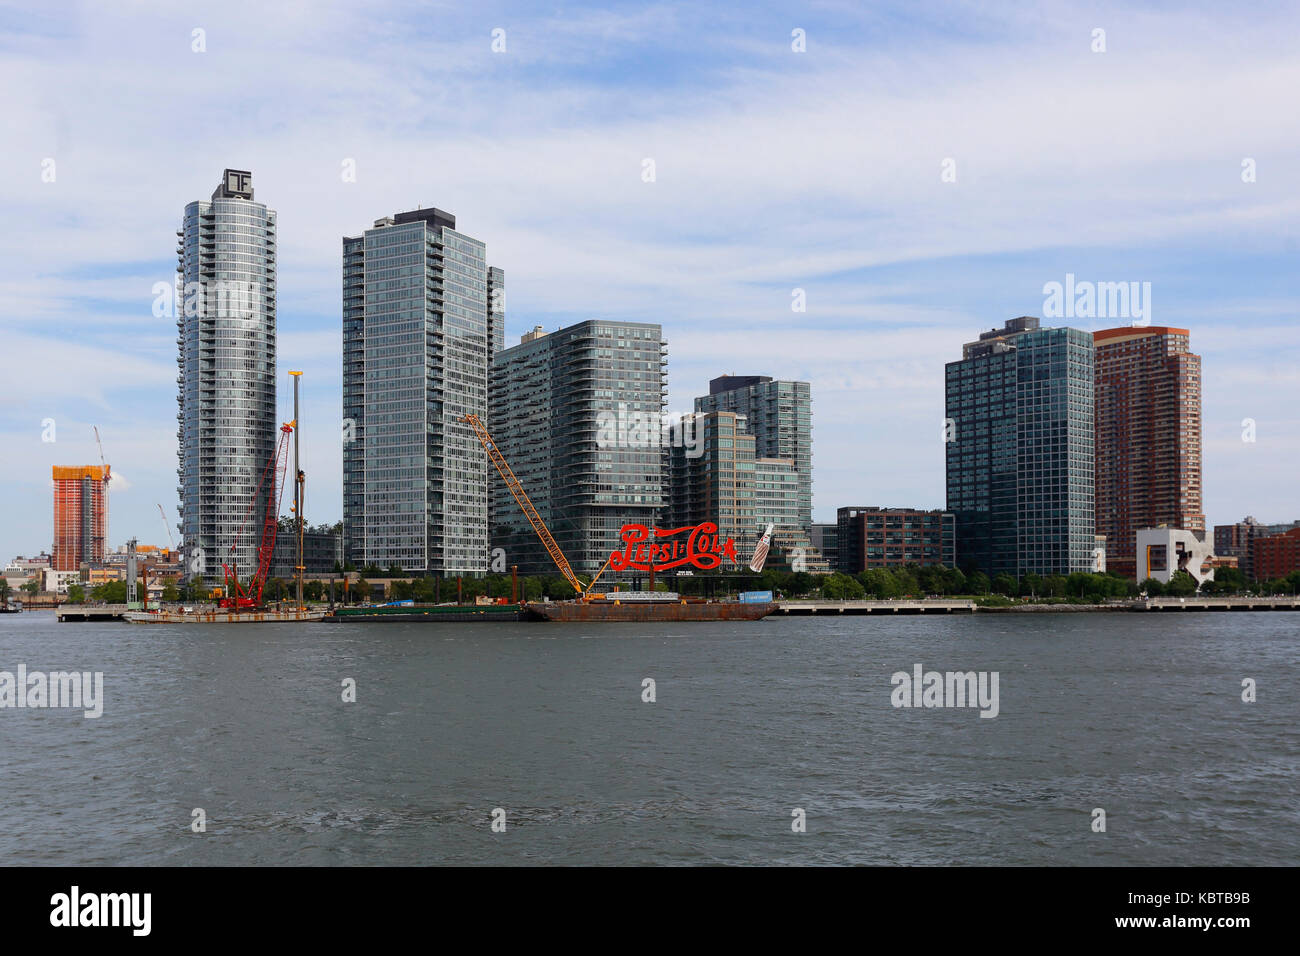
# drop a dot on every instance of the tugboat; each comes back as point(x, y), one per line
point(238, 605)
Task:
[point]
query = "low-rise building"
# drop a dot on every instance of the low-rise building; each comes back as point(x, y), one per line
point(1236, 540)
point(825, 538)
point(872, 537)
point(1276, 555)
point(1161, 552)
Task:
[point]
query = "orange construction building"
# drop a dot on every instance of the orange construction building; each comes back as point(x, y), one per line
point(80, 515)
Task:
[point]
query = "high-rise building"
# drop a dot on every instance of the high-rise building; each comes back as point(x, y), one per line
point(894, 537)
point(415, 362)
point(719, 479)
point(712, 478)
point(80, 515)
point(1019, 450)
point(1148, 428)
point(779, 416)
point(226, 322)
point(578, 415)
point(496, 311)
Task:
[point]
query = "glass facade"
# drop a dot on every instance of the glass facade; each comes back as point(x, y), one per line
point(415, 361)
point(226, 387)
point(1020, 454)
point(577, 415)
point(779, 416)
point(741, 493)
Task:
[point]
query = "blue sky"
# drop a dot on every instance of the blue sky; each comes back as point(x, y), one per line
point(775, 170)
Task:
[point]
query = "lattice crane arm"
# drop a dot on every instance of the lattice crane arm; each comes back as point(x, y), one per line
point(524, 502)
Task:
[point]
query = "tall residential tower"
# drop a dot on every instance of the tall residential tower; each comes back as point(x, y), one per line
point(416, 341)
point(779, 416)
point(1148, 386)
point(1019, 449)
point(577, 413)
point(226, 341)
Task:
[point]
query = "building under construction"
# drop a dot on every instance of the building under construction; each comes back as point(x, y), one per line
point(80, 515)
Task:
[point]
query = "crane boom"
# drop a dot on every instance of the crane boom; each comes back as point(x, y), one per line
point(525, 504)
point(170, 540)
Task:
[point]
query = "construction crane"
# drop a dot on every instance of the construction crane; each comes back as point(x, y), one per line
point(102, 464)
point(526, 505)
point(104, 476)
point(234, 595)
point(170, 540)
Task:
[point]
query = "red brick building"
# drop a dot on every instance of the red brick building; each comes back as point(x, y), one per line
point(1148, 437)
point(80, 515)
point(1276, 555)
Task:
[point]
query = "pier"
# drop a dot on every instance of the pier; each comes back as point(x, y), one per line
point(795, 608)
point(90, 612)
point(1280, 603)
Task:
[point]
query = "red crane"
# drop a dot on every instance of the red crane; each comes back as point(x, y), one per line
point(234, 595)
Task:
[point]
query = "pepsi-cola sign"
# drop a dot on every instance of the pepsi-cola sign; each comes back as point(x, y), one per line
point(662, 549)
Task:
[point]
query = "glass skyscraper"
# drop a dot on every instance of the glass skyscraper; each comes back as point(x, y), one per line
point(577, 414)
point(779, 416)
point(1019, 449)
point(226, 343)
point(415, 361)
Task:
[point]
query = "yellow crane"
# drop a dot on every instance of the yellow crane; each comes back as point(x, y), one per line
point(530, 512)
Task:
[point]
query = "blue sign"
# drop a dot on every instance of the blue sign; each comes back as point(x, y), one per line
point(755, 597)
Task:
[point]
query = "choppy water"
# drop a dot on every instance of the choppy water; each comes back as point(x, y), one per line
point(1138, 714)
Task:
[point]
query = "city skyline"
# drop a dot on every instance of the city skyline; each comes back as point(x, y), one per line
point(884, 306)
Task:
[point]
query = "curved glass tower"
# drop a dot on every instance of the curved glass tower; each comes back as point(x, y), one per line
point(226, 340)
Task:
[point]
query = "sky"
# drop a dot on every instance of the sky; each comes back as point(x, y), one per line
point(920, 172)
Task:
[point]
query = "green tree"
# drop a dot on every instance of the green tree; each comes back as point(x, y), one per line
point(32, 587)
point(1054, 586)
point(978, 582)
point(170, 594)
point(4, 590)
point(841, 587)
point(1031, 585)
point(1181, 584)
point(76, 594)
point(956, 583)
point(931, 580)
point(1004, 584)
point(1152, 588)
point(110, 592)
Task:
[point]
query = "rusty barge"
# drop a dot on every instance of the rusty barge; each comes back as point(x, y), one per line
point(645, 612)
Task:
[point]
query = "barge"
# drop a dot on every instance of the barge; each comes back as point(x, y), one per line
point(646, 612)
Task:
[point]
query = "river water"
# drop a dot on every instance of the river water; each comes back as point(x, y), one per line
point(1140, 715)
